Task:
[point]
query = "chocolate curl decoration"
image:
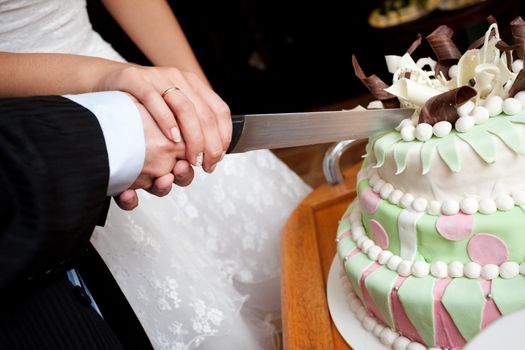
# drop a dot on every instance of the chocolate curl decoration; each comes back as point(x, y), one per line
point(443, 107)
point(508, 49)
point(446, 51)
point(517, 27)
point(518, 85)
point(415, 44)
point(376, 86)
point(478, 43)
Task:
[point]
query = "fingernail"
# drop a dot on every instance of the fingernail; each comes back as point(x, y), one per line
point(175, 134)
point(198, 161)
point(222, 155)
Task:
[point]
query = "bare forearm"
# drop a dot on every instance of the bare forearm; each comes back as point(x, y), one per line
point(50, 74)
point(154, 29)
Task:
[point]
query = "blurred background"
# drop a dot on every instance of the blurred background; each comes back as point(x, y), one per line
point(292, 55)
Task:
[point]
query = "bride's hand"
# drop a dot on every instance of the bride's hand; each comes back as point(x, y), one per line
point(182, 105)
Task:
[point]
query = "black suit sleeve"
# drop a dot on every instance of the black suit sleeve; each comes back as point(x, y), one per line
point(53, 180)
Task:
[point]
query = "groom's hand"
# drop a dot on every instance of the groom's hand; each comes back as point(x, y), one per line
point(164, 164)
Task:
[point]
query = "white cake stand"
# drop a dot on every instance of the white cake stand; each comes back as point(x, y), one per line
point(505, 333)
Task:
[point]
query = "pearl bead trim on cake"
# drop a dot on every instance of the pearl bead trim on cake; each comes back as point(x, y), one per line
point(468, 205)
point(438, 269)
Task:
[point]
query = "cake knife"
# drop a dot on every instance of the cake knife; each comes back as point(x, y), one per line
point(272, 131)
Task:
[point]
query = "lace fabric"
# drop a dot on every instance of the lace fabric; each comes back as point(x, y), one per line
point(200, 267)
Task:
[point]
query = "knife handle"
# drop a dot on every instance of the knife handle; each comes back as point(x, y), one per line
point(238, 125)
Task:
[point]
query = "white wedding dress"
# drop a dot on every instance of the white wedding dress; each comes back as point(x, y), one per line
point(200, 267)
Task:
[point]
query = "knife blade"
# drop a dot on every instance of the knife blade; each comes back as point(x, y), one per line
point(272, 131)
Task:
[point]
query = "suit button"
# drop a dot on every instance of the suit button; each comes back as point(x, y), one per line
point(49, 271)
point(81, 295)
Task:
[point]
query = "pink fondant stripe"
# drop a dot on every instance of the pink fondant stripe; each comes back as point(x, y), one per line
point(369, 303)
point(353, 252)
point(402, 323)
point(447, 333)
point(490, 311)
point(345, 235)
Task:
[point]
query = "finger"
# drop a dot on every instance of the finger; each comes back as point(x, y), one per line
point(162, 185)
point(127, 200)
point(218, 106)
point(189, 123)
point(183, 173)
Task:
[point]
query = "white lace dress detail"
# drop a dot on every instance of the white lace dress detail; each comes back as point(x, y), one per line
point(200, 267)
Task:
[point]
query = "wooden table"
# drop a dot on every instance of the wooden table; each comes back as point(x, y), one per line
point(307, 250)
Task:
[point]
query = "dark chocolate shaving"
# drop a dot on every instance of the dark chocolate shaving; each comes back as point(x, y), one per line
point(415, 44)
point(517, 27)
point(518, 85)
point(446, 51)
point(376, 86)
point(443, 107)
point(508, 49)
point(479, 42)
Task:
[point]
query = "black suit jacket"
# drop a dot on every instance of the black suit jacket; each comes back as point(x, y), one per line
point(53, 180)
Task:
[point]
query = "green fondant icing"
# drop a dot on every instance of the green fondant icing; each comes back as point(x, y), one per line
point(509, 226)
point(520, 118)
point(449, 153)
point(481, 142)
point(509, 295)
point(344, 226)
point(401, 151)
point(464, 301)
point(416, 296)
point(379, 284)
point(506, 132)
point(383, 144)
point(345, 246)
point(428, 151)
point(386, 214)
point(354, 267)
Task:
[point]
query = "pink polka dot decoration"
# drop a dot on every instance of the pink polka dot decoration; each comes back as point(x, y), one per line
point(455, 227)
point(380, 236)
point(370, 200)
point(485, 248)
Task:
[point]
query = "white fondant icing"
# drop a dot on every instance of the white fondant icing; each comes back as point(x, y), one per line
point(367, 244)
point(361, 313)
point(369, 323)
point(416, 346)
point(455, 269)
point(362, 240)
point(509, 269)
point(504, 202)
point(469, 205)
point(450, 207)
point(522, 268)
point(434, 208)
point(378, 329)
point(372, 181)
point(517, 65)
point(466, 108)
point(388, 336)
point(358, 232)
point(401, 343)
point(374, 251)
point(519, 197)
point(395, 197)
point(386, 190)
point(465, 123)
point(490, 271)
point(494, 104)
point(442, 128)
point(472, 270)
point(406, 224)
point(404, 268)
point(408, 133)
point(420, 204)
point(520, 96)
point(378, 185)
point(384, 257)
point(393, 262)
point(487, 206)
point(439, 269)
point(420, 268)
point(511, 106)
point(480, 114)
point(407, 200)
point(423, 132)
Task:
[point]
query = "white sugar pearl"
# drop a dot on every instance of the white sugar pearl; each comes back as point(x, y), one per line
point(420, 268)
point(388, 336)
point(494, 104)
point(355, 305)
point(472, 270)
point(408, 133)
point(439, 269)
point(358, 232)
point(469, 205)
point(369, 323)
point(455, 269)
point(442, 128)
point(416, 346)
point(520, 96)
point(384, 257)
point(465, 123)
point(423, 132)
point(373, 180)
point(509, 269)
point(407, 200)
point(466, 108)
point(401, 343)
point(404, 123)
point(361, 313)
point(395, 196)
point(386, 190)
point(394, 262)
point(480, 114)
point(522, 268)
point(504, 202)
point(453, 71)
point(377, 330)
point(517, 65)
point(355, 215)
point(450, 207)
point(378, 185)
point(490, 271)
point(434, 208)
point(519, 197)
point(404, 268)
point(374, 251)
point(366, 245)
point(420, 204)
point(487, 206)
point(511, 106)
point(362, 241)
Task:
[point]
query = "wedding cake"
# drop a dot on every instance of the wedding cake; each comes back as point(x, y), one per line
point(433, 247)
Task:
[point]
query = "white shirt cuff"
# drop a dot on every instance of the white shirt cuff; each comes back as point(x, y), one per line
point(121, 125)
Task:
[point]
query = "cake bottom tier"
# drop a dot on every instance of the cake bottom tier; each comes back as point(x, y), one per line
point(409, 312)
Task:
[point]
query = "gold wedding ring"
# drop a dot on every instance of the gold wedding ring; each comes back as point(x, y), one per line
point(168, 90)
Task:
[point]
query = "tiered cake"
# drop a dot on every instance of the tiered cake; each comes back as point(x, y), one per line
point(433, 247)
